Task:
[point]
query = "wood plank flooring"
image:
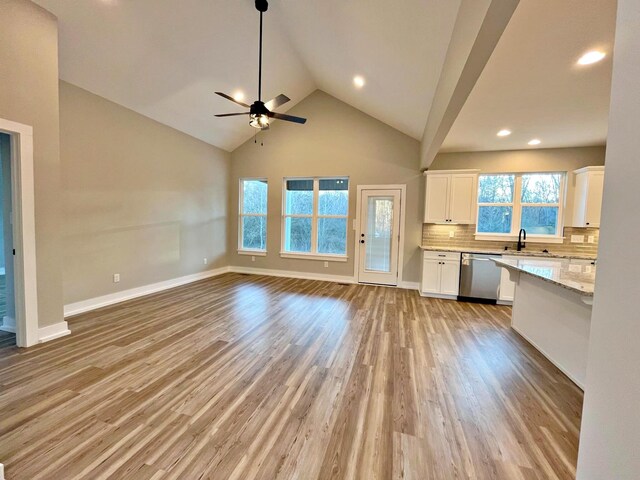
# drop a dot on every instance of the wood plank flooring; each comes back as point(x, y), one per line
point(248, 377)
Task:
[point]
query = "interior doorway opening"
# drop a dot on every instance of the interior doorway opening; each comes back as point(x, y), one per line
point(20, 315)
point(7, 298)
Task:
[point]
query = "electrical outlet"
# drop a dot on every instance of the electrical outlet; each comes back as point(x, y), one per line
point(577, 238)
point(452, 234)
point(116, 278)
point(205, 260)
point(326, 264)
point(591, 239)
point(253, 259)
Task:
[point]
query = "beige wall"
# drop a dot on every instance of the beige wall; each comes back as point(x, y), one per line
point(610, 432)
point(535, 160)
point(337, 140)
point(29, 95)
point(140, 199)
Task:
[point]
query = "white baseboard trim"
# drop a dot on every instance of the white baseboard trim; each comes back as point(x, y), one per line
point(8, 325)
point(118, 297)
point(409, 285)
point(548, 357)
point(312, 276)
point(439, 295)
point(57, 330)
point(291, 274)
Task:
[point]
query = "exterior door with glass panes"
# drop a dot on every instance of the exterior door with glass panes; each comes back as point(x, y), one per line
point(379, 236)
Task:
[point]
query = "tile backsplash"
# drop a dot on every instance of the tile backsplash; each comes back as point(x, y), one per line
point(438, 236)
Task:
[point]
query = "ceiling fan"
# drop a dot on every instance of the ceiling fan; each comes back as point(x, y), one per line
point(259, 112)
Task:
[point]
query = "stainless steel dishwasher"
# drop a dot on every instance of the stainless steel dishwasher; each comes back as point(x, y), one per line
point(479, 278)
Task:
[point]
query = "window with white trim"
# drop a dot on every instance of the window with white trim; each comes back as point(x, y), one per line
point(315, 213)
point(508, 202)
point(252, 224)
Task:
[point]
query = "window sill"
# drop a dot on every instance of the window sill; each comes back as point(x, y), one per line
point(253, 253)
point(315, 256)
point(514, 238)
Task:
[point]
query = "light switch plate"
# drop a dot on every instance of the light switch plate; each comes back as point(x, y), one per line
point(116, 278)
point(577, 238)
point(452, 234)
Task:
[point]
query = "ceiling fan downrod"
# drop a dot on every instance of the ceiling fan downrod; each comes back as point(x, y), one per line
point(262, 6)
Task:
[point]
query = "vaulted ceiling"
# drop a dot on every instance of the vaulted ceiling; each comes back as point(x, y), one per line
point(164, 59)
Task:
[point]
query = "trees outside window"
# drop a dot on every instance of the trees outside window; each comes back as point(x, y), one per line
point(509, 202)
point(315, 216)
point(253, 215)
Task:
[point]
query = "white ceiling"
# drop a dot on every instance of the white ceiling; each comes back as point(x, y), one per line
point(164, 59)
point(532, 85)
point(399, 47)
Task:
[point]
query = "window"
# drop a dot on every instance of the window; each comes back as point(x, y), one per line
point(495, 203)
point(253, 215)
point(540, 203)
point(315, 217)
point(509, 202)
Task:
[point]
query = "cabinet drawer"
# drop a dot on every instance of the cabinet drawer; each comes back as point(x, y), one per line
point(441, 255)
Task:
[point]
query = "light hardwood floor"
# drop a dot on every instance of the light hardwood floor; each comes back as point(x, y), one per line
point(243, 377)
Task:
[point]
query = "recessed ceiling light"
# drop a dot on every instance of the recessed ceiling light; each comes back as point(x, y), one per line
point(238, 95)
point(593, 56)
point(535, 141)
point(504, 133)
point(358, 81)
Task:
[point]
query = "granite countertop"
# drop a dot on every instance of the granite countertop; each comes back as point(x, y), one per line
point(576, 275)
point(527, 252)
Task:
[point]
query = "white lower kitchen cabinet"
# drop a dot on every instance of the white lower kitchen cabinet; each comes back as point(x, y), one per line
point(440, 274)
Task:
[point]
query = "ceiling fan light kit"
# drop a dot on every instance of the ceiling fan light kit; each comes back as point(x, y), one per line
point(260, 113)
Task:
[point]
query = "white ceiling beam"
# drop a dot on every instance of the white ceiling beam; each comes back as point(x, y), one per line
point(479, 26)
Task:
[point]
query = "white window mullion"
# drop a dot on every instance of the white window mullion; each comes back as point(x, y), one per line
point(517, 206)
point(314, 218)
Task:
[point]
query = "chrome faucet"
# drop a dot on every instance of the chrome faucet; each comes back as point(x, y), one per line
point(522, 235)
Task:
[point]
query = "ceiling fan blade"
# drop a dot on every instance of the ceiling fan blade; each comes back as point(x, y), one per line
point(228, 97)
point(288, 118)
point(231, 114)
point(276, 102)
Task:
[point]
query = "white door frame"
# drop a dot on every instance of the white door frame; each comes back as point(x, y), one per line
point(24, 231)
point(403, 203)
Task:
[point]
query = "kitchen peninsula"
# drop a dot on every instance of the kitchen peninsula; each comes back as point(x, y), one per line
point(552, 308)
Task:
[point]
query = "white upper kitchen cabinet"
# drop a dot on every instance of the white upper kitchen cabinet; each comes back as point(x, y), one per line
point(451, 196)
point(587, 203)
